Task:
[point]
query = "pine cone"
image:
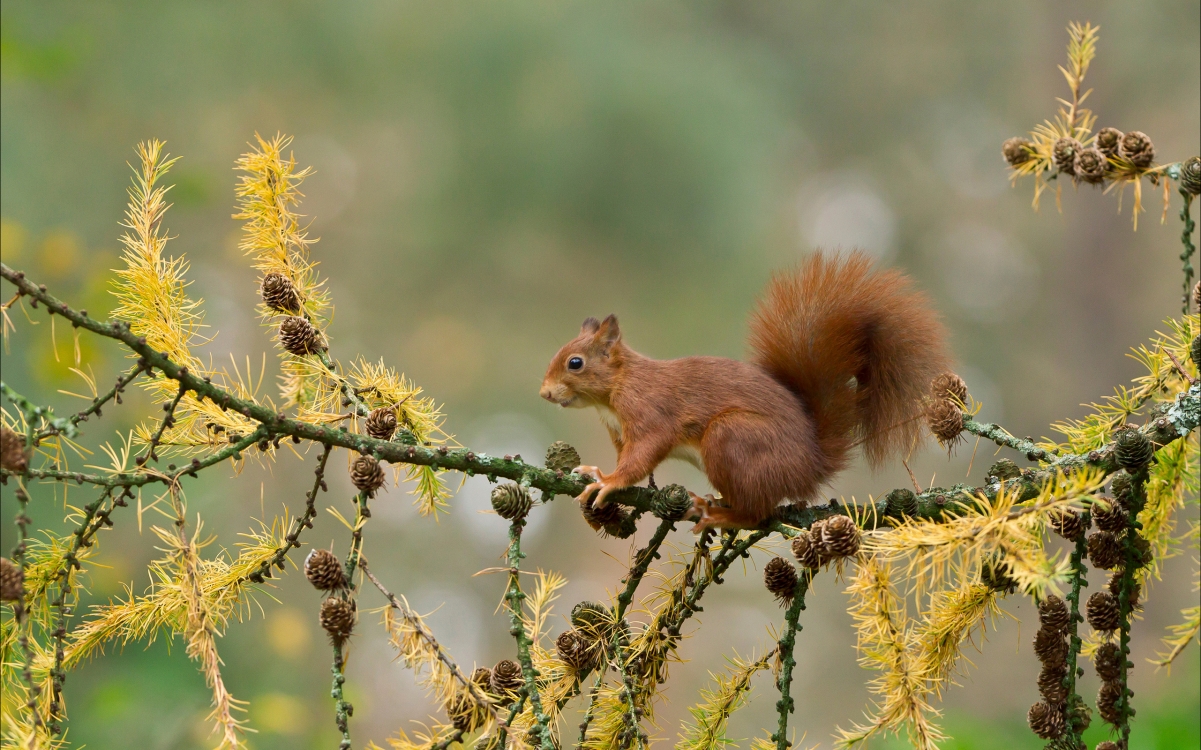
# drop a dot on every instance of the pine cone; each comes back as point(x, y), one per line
point(1003, 470)
point(337, 618)
point(279, 294)
point(1111, 519)
point(482, 677)
point(1017, 151)
point(1050, 684)
point(13, 456)
point(1138, 149)
point(299, 337)
point(671, 503)
point(948, 384)
point(12, 581)
point(1045, 721)
point(575, 650)
point(1064, 154)
point(323, 570)
point(562, 457)
point(611, 518)
point(900, 502)
point(1105, 550)
point(591, 617)
point(381, 423)
point(1107, 661)
point(839, 537)
point(511, 501)
point(1121, 486)
point(1068, 524)
point(779, 576)
point(1050, 647)
point(806, 550)
point(506, 677)
point(1053, 614)
point(1114, 586)
point(1103, 612)
point(945, 420)
point(994, 573)
point(1107, 702)
point(464, 714)
point(1133, 449)
point(1109, 141)
point(367, 474)
point(1190, 175)
point(1195, 350)
point(1091, 165)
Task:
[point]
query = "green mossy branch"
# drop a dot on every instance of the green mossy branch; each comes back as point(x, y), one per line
point(1079, 580)
point(786, 705)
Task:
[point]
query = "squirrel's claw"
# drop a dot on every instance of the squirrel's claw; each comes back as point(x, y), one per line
point(593, 487)
point(587, 493)
point(700, 511)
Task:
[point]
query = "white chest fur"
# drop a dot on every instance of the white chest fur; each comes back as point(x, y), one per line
point(690, 452)
point(609, 418)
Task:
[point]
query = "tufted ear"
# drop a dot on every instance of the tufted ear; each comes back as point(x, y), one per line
point(591, 325)
point(608, 333)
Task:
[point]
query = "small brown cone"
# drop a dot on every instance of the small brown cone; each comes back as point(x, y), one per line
point(1190, 175)
point(562, 457)
point(1107, 702)
point(1104, 550)
point(1064, 154)
point(1045, 721)
point(1053, 614)
point(1050, 647)
point(1107, 661)
point(1138, 149)
point(609, 518)
point(948, 384)
point(1112, 518)
point(779, 576)
point(1109, 141)
point(1017, 151)
point(1068, 524)
point(506, 677)
point(1115, 587)
point(945, 420)
point(575, 650)
point(12, 581)
point(482, 677)
point(1103, 612)
point(338, 618)
point(13, 456)
point(511, 501)
point(299, 337)
point(1133, 450)
point(806, 551)
point(1091, 165)
point(1050, 685)
point(324, 570)
point(840, 537)
point(367, 474)
point(1121, 486)
point(381, 423)
point(464, 714)
point(279, 294)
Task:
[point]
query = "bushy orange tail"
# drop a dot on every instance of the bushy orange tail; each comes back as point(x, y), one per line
point(859, 348)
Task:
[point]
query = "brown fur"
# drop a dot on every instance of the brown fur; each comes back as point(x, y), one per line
point(841, 356)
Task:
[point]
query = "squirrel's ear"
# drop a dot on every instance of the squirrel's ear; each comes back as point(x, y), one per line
point(591, 325)
point(609, 333)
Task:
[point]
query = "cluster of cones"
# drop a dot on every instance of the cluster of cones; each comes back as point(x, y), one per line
point(826, 541)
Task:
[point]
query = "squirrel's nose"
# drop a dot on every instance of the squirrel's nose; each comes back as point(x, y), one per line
point(545, 393)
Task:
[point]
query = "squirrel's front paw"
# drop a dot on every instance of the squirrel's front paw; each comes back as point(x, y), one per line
point(700, 511)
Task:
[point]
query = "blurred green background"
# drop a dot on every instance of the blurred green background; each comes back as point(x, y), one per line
point(489, 174)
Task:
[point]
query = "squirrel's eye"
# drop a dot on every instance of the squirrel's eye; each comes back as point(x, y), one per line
point(575, 363)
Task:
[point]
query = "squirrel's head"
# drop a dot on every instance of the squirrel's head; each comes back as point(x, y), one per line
point(582, 372)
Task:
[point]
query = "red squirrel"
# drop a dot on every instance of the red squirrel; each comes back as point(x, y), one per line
point(841, 356)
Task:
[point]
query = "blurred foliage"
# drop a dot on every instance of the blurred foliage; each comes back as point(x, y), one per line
point(489, 174)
